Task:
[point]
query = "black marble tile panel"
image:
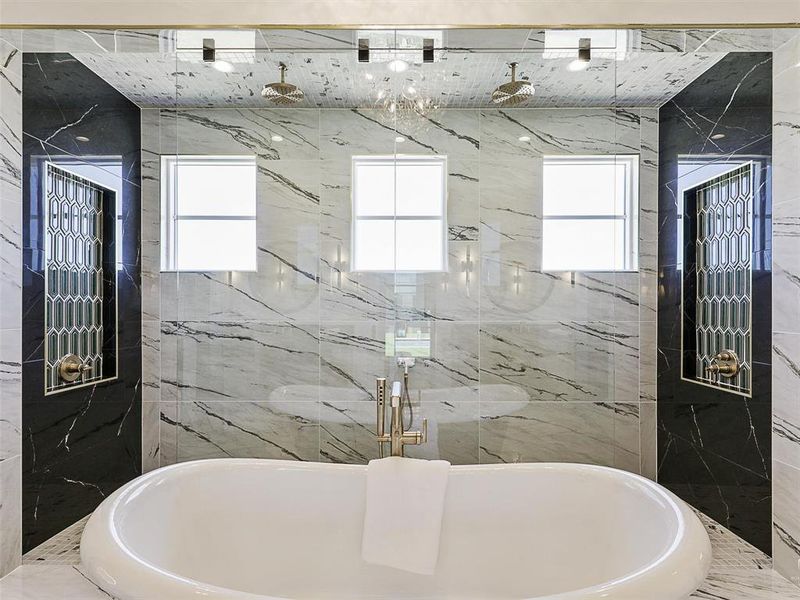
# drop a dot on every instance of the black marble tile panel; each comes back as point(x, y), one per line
point(81, 444)
point(734, 496)
point(714, 445)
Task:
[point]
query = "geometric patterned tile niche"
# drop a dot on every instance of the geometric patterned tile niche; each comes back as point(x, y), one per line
point(80, 307)
point(717, 295)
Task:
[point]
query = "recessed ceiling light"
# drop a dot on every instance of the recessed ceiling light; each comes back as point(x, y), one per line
point(717, 136)
point(524, 138)
point(411, 90)
point(578, 65)
point(223, 66)
point(81, 138)
point(369, 76)
point(398, 66)
point(277, 138)
point(399, 139)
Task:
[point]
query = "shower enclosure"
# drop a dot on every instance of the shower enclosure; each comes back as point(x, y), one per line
point(397, 210)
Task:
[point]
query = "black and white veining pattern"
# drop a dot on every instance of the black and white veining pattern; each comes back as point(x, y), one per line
point(786, 312)
point(558, 339)
point(458, 79)
point(11, 251)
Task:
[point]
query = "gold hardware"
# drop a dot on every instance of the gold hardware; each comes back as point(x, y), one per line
point(397, 438)
point(725, 363)
point(71, 368)
point(380, 396)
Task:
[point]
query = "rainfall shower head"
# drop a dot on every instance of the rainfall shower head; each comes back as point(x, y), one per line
point(514, 92)
point(282, 92)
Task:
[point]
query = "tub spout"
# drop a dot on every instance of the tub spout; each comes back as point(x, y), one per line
point(397, 437)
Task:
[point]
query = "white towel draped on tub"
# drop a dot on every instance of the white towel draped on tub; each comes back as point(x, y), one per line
point(403, 520)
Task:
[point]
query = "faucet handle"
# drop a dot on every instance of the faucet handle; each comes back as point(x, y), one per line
point(424, 439)
point(725, 363)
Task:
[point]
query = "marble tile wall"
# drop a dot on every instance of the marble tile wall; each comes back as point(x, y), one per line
point(81, 444)
point(10, 301)
point(524, 365)
point(714, 447)
point(786, 312)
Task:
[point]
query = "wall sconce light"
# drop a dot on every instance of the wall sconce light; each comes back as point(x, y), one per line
point(517, 278)
point(338, 265)
point(466, 267)
point(280, 276)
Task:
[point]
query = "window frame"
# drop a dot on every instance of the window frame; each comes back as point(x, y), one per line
point(393, 159)
point(169, 207)
point(629, 216)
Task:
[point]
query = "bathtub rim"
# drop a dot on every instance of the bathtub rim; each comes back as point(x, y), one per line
point(113, 552)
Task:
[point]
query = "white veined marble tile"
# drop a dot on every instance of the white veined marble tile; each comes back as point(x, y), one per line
point(332, 77)
point(345, 133)
point(10, 186)
point(242, 131)
point(10, 393)
point(786, 520)
point(601, 433)
point(237, 362)
point(262, 429)
point(10, 513)
point(563, 361)
point(786, 398)
point(11, 248)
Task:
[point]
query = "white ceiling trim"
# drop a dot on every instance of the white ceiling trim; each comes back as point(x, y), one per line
point(550, 13)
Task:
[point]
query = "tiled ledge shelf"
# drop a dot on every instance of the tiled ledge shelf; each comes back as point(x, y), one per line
point(61, 549)
point(739, 572)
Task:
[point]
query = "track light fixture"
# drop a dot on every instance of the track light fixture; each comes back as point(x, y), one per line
point(427, 50)
point(363, 50)
point(584, 55)
point(209, 50)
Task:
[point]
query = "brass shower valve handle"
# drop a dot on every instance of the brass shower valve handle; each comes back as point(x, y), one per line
point(722, 369)
point(725, 363)
point(71, 368)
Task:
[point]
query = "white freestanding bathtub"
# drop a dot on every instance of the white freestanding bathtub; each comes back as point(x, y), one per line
point(247, 529)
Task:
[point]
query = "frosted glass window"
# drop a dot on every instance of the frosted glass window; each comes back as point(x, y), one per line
point(208, 220)
point(590, 210)
point(420, 189)
point(419, 245)
point(376, 240)
point(399, 208)
point(215, 245)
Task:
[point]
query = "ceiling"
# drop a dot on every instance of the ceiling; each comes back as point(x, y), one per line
point(458, 79)
point(629, 68)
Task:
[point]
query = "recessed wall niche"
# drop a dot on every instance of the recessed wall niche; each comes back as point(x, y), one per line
point(80, 287)
point(717, 283)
